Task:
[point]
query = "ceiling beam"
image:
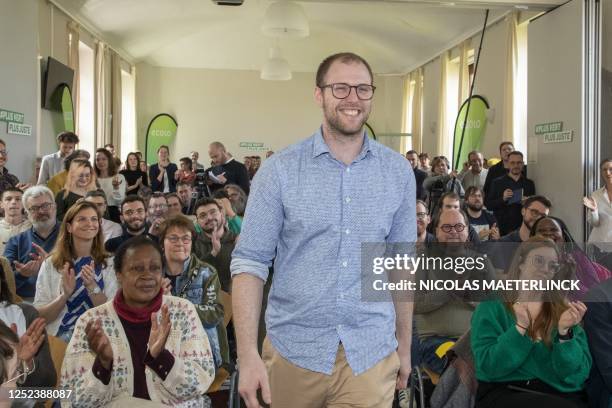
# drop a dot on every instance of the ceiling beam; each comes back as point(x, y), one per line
point(536, 5)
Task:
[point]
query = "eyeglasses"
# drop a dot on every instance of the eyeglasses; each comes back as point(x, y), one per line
point(129, 213)
point(449, 227)
point(3, 152)
point(43, 207)
point(364, 92)
point(540, 262)
point(159, 207)
point(421, 215)
point(186, 239)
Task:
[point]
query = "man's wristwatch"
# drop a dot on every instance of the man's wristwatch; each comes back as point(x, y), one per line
point(567, 336)
point(94, 291)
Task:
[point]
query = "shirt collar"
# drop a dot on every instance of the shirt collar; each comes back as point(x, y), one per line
point(320, 147)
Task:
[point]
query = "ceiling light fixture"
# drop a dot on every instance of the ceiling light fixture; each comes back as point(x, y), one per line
point(285, 18)
point(276, 68)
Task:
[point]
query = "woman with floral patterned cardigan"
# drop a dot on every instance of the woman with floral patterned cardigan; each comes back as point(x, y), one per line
point(142, 345)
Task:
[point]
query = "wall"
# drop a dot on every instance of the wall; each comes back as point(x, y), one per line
point(18, 79)
point(237, 106)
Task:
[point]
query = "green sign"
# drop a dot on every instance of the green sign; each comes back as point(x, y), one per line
point(10, 116)
point(161, 131)
point(559, 137)
point(552, 127)
point(19, 129)
point(67, 111)
point(471, 139)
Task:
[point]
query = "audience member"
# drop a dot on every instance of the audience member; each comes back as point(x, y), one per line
point(185, 192)
point(440, 182)
point(161, 174)
point(14, 221)
point(481, 220)
point(185, 174)
point(175, 205)
point(190, 278)
point(232, 220)
point(110, 229)
point(36, 171)
point(195, 165)
point(27, 251)
point(237, 197)
point(529, 348)
point(33, 346)
point(111, 149)
point(508, 192)
point(473, 173)
point(424, 162)
point(423, 219)
point(215, 243)
point(141, 345)
point(157, 212)
point(600, 215)
point(226, 170)
point(57, 182)
point(133, 222)
point(81, 179)
point(534, 207)
point(54, 163)
point(269, 153)
point(501, 168)
point(112, 183)
point(77, 275)
point(419, 175)
point(7, 180)
point(135, 178)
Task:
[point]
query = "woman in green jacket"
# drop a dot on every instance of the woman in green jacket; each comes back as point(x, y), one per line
point(529, 349)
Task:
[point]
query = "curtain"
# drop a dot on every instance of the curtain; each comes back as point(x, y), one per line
point(509, 77)
point(73, 62)
point(417, 110)
point(116, 96)
point(464, 72)
point(443, 132)
point(100, 94)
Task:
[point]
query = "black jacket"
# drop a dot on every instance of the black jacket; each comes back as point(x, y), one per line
point(154, 173)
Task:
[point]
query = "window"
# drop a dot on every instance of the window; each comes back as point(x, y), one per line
point(87, 126)
point(451, 106)
point(406, 143)
point(128, 114)
point(520, 92)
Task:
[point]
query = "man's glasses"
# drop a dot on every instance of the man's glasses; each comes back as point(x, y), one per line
point(159, 207)
point(38, 208)
point(421, 215)
point(449, 227)
point(364, 92)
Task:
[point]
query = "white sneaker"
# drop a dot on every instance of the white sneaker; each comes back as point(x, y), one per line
point(403, 397)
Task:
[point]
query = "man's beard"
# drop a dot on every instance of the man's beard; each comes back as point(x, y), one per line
point(335, 123)
point(130, 227)
point(211, 227)
point(474, 207)
point(44, 224)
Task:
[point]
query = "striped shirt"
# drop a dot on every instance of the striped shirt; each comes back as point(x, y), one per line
point(312, 212)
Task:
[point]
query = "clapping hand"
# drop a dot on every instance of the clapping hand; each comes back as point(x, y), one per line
point(166, 286)
point(88, 275)
point(99, 344)
point(32, 267)
point(68, 280)
point(590, 203)
point(571, 317)
point(31, 340)
point(159, 331)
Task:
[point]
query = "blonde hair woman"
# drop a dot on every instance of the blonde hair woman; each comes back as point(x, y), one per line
point(81, 179)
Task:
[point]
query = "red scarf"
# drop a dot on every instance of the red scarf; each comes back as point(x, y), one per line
point(133, 314)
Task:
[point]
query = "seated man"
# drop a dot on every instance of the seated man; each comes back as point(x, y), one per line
point(423, 221)
point(215, 243)
point(133, 215)
point(14, 221)
point(442, 316)
point(157, 212)
point(110, 229)
point(481, 220)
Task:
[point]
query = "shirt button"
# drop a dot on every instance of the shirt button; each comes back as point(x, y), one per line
point(344, 264)
point(348, 199)
point(348, 169)
point(348, 231)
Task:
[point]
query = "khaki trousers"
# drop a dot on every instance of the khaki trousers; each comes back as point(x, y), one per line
point(295, 387)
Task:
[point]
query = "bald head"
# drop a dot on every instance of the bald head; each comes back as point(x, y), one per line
point(217, 153)
point(452, 226)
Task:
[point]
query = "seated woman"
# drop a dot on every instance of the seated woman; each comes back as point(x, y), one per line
point(588, 272)
point(81, 179)
point(529, 349)
point(77, 275)
point(112, 183)
point(33, 351)
point(140, 346)
point(188, 277)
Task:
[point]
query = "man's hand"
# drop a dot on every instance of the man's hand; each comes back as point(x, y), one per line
point(403, 352)
point(32, 267)
point(494, 233)
point(215, 239)
point(221, 178)
point(253, 376)
point(507, 194)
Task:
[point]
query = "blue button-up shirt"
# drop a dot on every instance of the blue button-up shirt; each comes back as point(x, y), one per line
point(312, 212)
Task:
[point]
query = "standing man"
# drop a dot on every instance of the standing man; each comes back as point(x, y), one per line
point(226, 169)
point(324, 345)
point(54, 163)
point(195, 165)
point(413, 157)
point(474, 174)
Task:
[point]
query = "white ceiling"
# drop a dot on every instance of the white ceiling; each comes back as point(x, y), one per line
point(393, 35)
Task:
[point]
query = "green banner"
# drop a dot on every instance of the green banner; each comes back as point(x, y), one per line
point(161, 131)
point(474, 132)
point(62, 115)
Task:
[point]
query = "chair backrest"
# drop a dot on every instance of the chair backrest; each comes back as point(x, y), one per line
point(226, 301)
point(57, 347)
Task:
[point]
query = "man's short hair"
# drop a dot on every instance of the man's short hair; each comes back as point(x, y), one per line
point(412, 152)
point(186, 160)
point(540, 199)
point(77, 154)
point(345, 58)
point(473, 190)
point(473, 152)
point(36, 191)
point(157, 194)
point(9, 190)
point(515, 153)
point(178, 221)
point(424, 155)
point(423, 204)
point(182, 184)
point(204, 202)
point(97, 193)
point(68, 137)
point(450, 194)
point(130, 199)
point(170, 195)
point(502, 144)
point(221, 193)
point(438, 217)
point(218, 145)
point(2, 142)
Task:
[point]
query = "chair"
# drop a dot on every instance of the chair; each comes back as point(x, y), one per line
point(57, 347)
point(222, 374)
